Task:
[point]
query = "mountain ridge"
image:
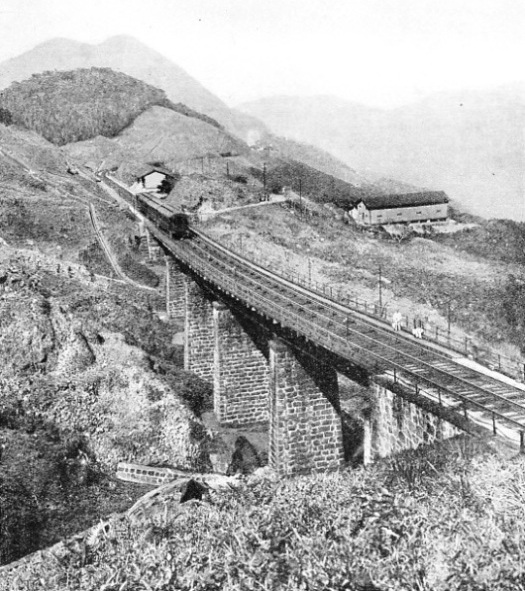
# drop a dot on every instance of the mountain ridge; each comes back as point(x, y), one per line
point(467, 143)
point(126, 54)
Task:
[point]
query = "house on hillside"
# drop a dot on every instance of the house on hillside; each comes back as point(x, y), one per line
point(155, 179)
point(426, 206)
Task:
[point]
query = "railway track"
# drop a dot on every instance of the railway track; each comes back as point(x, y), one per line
point(351, 335)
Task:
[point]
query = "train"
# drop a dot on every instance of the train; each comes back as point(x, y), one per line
point(167, 218)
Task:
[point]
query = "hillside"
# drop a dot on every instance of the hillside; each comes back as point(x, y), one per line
point(77, 105)
point(80, 384)
point(430, 278)
point(129, 56)
point(468, 144)
point(158, 134)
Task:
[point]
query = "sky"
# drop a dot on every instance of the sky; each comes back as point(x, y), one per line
point(378, 52)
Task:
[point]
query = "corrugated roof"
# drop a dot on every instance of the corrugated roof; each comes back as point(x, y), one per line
point(405, 200)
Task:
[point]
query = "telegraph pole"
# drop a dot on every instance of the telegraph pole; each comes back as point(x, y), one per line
point(380, 292)
point(301, 195)
point(264, 176)
point(448, 322)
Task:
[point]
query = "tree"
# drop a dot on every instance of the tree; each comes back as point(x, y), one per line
point(5, 116)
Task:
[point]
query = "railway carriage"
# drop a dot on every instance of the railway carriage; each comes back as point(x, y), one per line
point(165, 217)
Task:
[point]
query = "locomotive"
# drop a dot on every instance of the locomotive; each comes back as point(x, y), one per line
point(165, 217)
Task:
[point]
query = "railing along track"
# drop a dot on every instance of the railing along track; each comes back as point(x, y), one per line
point(400, 339)
point(202, 255)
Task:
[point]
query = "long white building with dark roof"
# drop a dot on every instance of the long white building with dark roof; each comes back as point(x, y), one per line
point(426, 206)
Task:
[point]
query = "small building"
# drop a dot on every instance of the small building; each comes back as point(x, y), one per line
point(157, 179)
point(426, 206)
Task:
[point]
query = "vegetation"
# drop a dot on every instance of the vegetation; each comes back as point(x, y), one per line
point(498, 240)
point(514, 308)
point(319, 186)
point(441, 518)
point(5, 117)
point(80, 104)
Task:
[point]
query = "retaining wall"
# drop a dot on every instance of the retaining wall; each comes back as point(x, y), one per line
point(397, 424)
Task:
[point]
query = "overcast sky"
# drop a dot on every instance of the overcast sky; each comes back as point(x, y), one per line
point(379, 52)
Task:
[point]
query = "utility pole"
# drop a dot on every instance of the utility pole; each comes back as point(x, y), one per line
point(264, 176)
point(380, 292)
point(301, 195)
point(309, 272)
point(448, 318)
point(227, 169)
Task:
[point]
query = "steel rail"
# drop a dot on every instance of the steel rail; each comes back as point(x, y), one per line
point(429, 367)
point(318, 333)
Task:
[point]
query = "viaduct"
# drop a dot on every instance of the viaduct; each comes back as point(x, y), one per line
point(273, 351)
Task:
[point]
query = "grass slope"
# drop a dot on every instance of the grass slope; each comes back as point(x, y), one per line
point(157, 135)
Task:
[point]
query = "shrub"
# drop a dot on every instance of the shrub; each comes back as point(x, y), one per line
point(5, 116)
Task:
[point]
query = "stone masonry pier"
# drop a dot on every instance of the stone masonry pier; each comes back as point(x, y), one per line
point(305, 424)
point(240, 378)
point(199, 341)
point(175, 289)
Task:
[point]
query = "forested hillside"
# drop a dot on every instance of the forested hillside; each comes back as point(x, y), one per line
point(80, 104)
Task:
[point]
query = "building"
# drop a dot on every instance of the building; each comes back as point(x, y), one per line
point(426, 206)
point(157, 179)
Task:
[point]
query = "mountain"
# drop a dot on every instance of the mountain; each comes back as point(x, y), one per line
point(469, 144)
point(126, 54)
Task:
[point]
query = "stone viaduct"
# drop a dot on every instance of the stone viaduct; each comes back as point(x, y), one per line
point(276, 353)
point(264, 373)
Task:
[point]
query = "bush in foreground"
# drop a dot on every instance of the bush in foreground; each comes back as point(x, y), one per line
point(457, 524)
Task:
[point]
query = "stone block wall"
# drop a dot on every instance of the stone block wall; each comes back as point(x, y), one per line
point(175, 289)
point(305, 427)
point(145, 474)
point(240, 386)
point(397, 425)
point(153, 248)
point(199, 341)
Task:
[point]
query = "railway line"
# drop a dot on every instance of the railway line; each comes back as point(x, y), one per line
point(355, 336)
point(352, 335)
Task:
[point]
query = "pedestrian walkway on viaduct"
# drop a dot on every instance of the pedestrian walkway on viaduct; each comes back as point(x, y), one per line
point(273, 351)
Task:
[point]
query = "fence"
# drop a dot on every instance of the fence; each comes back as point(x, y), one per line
point(463, 345)
point(326, 335)
point(514, 368)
